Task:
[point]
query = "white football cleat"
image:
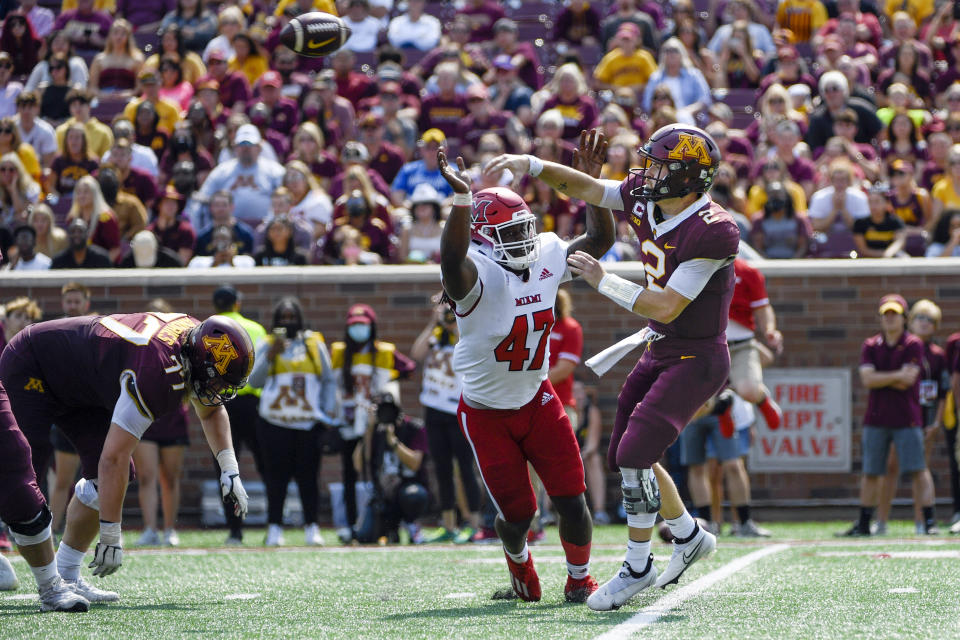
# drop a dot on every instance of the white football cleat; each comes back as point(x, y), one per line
point(311, 534)
point(700, 545)
point(59, 596)
point(623, 586)
point(274, 536)
point(149, 538)
point(8, 578)
point(171, 538)
point(93, 594)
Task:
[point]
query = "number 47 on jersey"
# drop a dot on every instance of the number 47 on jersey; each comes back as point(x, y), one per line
point(513, 349)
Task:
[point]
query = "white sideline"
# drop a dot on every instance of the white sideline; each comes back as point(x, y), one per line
point(650, 614)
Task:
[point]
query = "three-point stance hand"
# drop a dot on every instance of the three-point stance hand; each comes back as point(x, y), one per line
point(587, 267)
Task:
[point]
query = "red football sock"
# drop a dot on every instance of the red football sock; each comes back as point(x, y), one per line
point(771, 413)
point(576, 554)
point(726, 422)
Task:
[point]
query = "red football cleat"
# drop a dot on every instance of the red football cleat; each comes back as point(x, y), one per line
point(771, 413)
point(526, 582)
point(486, 535)
point(579, 590)
point(534, 537)
point(5, 541)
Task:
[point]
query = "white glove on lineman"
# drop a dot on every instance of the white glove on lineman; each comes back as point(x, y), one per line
point(109, 552)
point(230, 485)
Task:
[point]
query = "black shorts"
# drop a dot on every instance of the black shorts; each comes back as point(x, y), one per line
point(181, 441)
point(60, 441)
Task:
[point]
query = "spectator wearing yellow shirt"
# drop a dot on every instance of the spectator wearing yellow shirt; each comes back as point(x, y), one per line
point(169, 112)
point(248, 58)
point(919, 10)
point(803, 17)
point(306, 6)
point(110, 6)
point(626, 65)
point(946, 191)
point(99, 135)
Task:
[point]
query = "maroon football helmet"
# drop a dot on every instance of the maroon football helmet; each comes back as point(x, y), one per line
point(220, 357)
point(503, 223)
point(676, 161)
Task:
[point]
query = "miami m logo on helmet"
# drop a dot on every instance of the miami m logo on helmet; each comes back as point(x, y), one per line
point(222, 350)
point(690, 147)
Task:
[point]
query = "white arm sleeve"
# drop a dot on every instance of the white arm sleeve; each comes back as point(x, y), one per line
point(611, 195)
point(691, 276)
point(131, 412)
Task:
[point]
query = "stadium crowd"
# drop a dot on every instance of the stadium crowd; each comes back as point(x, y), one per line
point(161, 134)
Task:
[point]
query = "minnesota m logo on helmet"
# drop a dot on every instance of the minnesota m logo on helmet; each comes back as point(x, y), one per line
point(222, 351)
point(690, 146)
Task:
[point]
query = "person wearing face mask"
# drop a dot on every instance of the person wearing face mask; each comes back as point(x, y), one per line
point(146, 253)
point(299, 398)
point(364, 367)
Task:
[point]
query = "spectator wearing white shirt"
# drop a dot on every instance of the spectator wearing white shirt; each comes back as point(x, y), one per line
point(364, 27)
point(143, 156)
point(251, 178)
point(230, 22)
point(841, 203)
point(25, 239)
point(415, 29)
point(34, 130)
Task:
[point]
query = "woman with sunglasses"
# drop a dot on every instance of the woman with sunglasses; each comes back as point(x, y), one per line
point(778, 232)
point(10, 142)
point(173, 86)
point(53, 93)
point(58, 45)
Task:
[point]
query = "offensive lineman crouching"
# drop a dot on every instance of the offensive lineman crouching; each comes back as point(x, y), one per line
point(103, 380)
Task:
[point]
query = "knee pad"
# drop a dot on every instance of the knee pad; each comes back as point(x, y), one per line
point(86, 492)
point(32, 532)
point(641, 493)
point(413, 500)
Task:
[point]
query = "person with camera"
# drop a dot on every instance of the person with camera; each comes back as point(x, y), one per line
point(392, 456)
point(440, 395)
point(299, 396)
point(364, 367)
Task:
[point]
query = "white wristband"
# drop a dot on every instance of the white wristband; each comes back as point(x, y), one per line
point(463, 200)
point(621, 291)
point(110, 533)
point(536, 165)
point(227, 460)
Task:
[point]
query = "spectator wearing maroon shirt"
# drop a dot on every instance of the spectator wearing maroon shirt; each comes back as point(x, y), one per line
point(924, 320)
point(352, 85)
point(786, 137)
point(335, 112)
point(484, 118)
point(132, 180)
point(233, 86)
point(89, 205)
point(85, 27)
point(569, 95)
point(524, 55)
point(172, 230)
point(890, 368)
point(446, 109)
point(385, 158)
point(482, 15)
point(283, 111)
point(577, 23)
point(356, 154)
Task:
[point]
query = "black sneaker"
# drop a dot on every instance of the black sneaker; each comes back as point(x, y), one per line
point(855, 531)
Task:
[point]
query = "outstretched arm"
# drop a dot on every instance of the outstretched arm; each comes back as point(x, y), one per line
point(459, 272)
point(564, 179)
point(588, 158)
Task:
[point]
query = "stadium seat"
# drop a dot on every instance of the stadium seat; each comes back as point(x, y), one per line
point(837, 244)
point(527, 10)
point(60, 205)
point(107, 107)
point(147, 41)
point(741, 101)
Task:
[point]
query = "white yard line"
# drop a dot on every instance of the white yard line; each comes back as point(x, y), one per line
point(650, 614)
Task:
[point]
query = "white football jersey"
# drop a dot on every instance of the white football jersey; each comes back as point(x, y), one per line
point(505, 324)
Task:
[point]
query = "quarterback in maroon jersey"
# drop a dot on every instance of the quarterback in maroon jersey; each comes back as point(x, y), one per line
point(103, 380)
point(687, 245)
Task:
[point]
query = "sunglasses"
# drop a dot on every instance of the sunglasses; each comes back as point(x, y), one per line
point(776, 101)
point(6, 65)
point(58, 67)
point(8, 169)
point(832, 89)
point(6, 129)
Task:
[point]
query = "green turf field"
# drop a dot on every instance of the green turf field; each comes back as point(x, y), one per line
point(808, 585)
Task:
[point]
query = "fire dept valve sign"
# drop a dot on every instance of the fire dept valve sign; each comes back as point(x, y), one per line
point(815, 434)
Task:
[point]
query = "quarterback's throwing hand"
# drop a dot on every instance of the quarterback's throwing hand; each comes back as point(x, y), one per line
point(585, 265)
point(516, 164)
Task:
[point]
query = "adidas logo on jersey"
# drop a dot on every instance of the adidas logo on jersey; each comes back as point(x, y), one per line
point(545, 274)
point(547, 397)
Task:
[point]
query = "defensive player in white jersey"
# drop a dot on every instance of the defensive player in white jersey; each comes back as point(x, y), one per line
point(503, 278)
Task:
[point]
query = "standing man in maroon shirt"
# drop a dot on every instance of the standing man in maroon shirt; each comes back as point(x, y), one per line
point(890, 369)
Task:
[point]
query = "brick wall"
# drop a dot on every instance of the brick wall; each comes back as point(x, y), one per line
point(825, 310)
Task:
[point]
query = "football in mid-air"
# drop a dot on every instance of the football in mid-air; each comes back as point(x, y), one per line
point(315, 34)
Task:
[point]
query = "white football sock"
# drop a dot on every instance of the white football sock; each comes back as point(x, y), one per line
point(46, 574)
point(578, 571)
point(521, 557)
point(637, 555)
point(682, 526)
point(69, 561)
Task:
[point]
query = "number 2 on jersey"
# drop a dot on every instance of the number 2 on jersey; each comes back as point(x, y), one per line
point(513, 348)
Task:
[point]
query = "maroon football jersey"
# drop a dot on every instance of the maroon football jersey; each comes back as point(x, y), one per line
point(710, 232)
point(83, 358)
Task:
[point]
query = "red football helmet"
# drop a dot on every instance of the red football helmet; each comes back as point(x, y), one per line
point(503, 222)
point(219, 355)
point(676, 161)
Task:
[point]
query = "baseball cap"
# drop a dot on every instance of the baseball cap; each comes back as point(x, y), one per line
point(504, 61)
point(271, 79)
point(361, 314)
point(477, 91)
point(355, 152)
point(217, 54)
point(893, 302)
point(247, 134)
point(902, 165)
point(433, 135)
point(148, 76)
point(171, 193)
point(225, 296)
point(425, 193)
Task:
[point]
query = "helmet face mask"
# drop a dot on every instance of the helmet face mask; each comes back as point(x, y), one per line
point(676, 161)
point(503, 223)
